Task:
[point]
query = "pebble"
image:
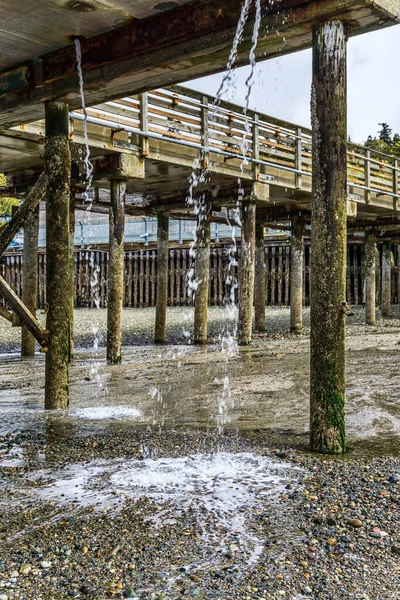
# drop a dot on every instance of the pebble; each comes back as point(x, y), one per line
point(354, 523)
point(394, 479)
point(25, 568)
point(45, 564)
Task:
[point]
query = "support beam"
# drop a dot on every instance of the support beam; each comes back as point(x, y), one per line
point(370, 278)
point(71, 271)
point(191, 41)
point(58, 168)
point(202, 274)
point(162, 277)
point(386, 300)
point(24, 211)
point(22, 312)
point(116, 271)
point(259, 279)
point(246, 286)
point(328, 239)
point(296, 276)
point(30, 278)
point(6, 314)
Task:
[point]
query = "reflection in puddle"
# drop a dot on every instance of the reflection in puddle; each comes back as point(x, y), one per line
point(100, 413)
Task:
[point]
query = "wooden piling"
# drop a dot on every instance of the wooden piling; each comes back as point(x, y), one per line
point(296, 276)
point(259, 279)
point(72, 271)
point(115, 270)
point(30, 278)
point(328, 258)
point(246, 286)
point(202, 265)
point(386, 299)
point(58, 167)
point(370, 281)
point(162, 277)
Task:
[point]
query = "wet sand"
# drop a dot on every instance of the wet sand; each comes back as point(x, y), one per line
point(273, 522)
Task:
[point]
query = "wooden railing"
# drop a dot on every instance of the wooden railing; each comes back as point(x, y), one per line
point(141, 275)
point(222, 133)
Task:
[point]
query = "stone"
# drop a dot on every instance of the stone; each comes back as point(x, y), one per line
point(354, 523)
point(395, 550)
point(128, 593)
point(331, 542)
point(45, 564)
point(394, 479)
point(25, 568)
point(3, 597)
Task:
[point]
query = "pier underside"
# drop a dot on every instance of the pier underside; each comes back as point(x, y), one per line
point(128, 49)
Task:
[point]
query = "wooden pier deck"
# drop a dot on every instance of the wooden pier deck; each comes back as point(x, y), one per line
point(158, 137)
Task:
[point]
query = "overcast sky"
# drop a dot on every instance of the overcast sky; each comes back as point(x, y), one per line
point(282, 86)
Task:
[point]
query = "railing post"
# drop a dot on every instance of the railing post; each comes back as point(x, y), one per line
point(395, 183)
point(205, 138)
point(367, 175)
point(144, 123)
point(299, 160)
point(256, 148)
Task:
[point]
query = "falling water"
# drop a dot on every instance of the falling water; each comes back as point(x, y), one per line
point(229, 334)
point(88, 201)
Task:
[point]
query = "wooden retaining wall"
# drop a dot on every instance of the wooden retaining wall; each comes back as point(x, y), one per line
point(141, 274)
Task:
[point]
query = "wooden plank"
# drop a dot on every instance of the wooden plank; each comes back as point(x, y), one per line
point(24, 314)
point(287, 275)
point(6, 314)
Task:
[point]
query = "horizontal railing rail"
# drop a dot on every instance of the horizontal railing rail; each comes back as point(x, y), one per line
point(220, 130)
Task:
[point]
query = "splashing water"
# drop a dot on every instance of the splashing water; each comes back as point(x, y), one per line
point(88, 164)
point(88, 200)
point(198, 205)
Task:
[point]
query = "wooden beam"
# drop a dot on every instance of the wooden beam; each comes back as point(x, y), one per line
point(193, 40)
point(20, 309)
point(25, 210)
point(6, 314)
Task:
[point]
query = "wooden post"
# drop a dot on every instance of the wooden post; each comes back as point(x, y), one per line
point(386, 299)
point(162, 277)
point(30, 278)
point(328, 259)
point(202, 264)
point(296, 276)
point(259, 279)
point(370, 283)
point(58, 168)
point(115, 271)
point(72, 271)
point(246, 287)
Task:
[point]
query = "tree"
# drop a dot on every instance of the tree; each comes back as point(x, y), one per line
point(385, 134)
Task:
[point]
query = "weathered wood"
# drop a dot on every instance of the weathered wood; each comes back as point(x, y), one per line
point(71, 272)
point(386, 298)
point(58, 169)
point(23, 313)
point(115, 271)
point(202, 266)
point(369, 269)
point(296, 276)
point(25, 210)
point(30, 278)
point(246, 287)
point(162, 277)
point(259, 279)
point(328, 262)
point(6, 314)
point(191, 41)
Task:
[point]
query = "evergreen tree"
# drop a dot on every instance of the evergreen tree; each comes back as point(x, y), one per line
point(385, 134)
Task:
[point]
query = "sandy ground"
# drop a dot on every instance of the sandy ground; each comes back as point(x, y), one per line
point(180, 474)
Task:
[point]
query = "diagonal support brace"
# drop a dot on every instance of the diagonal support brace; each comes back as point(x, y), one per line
point(9, 231)
point(20, 309)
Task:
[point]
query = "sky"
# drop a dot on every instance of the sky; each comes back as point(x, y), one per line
point(282, 86)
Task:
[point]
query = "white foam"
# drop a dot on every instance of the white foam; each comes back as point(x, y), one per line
point(100, 413)
point(223, 484)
